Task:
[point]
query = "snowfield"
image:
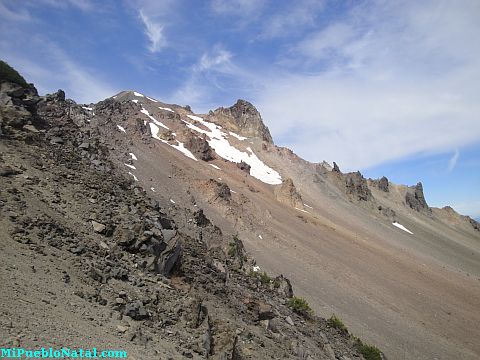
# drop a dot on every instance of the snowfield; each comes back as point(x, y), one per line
point(222, 147)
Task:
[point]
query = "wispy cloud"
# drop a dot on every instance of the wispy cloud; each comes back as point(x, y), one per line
point(154, 32)
point(295, 18)
point(244, 8)
point(9, 14)
point(215, 72)
point(384, 82)
point(453, 160)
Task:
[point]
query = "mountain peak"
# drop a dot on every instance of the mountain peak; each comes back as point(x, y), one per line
point(244, 118)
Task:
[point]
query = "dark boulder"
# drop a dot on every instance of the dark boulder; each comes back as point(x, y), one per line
point(242, 165)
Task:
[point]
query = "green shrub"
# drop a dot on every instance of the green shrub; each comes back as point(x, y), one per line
point(336, 323)
point(369, 352)
point(7, 73)
point(263, 277)
point(300, 306)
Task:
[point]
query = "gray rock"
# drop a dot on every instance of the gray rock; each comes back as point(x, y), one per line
point(283, 286)
point(289, 321)
point(98, 227)
point(56, 140)
point(136, 310)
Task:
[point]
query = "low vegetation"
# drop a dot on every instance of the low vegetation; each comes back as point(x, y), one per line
point(300, 306)
point(7, 73)
point(337, 323)
point(263, 277)
point(369, 352)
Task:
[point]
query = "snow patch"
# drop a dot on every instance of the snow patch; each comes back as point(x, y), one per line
point(165, 108)
point(197, 118)
point(233, 191)
point(87, 108)
point(138, 94)
point(400, 226)
point(121, 129)
point(237, 136)
point(134, 177)
point(222, 147)
point(256, 268)
point(153, 189)
point(308, 206)
point(173, 202)
point(305, 211)
point(132, 155)
point(135, 101)
point(260, 236)
point(149, 98)
point(130, 166)
point(144, 111)
point(215, 166)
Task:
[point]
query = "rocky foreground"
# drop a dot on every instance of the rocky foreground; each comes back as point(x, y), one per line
point(89, 260)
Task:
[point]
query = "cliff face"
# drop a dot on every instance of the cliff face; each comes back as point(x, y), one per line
point(244, 119)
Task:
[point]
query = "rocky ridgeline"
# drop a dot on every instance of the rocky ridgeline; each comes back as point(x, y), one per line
point(59, 190)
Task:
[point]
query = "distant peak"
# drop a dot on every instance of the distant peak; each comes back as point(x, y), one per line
point(244, 118)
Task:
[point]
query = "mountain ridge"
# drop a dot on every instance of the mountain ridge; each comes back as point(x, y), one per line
point(354, 249)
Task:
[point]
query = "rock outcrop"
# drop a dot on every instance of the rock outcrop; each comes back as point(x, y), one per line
point(415, 198)
point(287, 193)
point(383, 184)
point(357, 187)
point(242, 118)
point(242, 165)
point(199, 147)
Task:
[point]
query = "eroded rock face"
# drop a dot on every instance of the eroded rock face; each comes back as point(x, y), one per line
point(357, 187)
point(288, 194)
point(199, 147)
point(415, 198)
point(243, 118)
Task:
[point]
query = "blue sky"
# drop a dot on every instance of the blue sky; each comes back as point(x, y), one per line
point(390, 88)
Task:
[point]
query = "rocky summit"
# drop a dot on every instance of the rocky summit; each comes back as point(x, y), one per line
point(139, 225)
